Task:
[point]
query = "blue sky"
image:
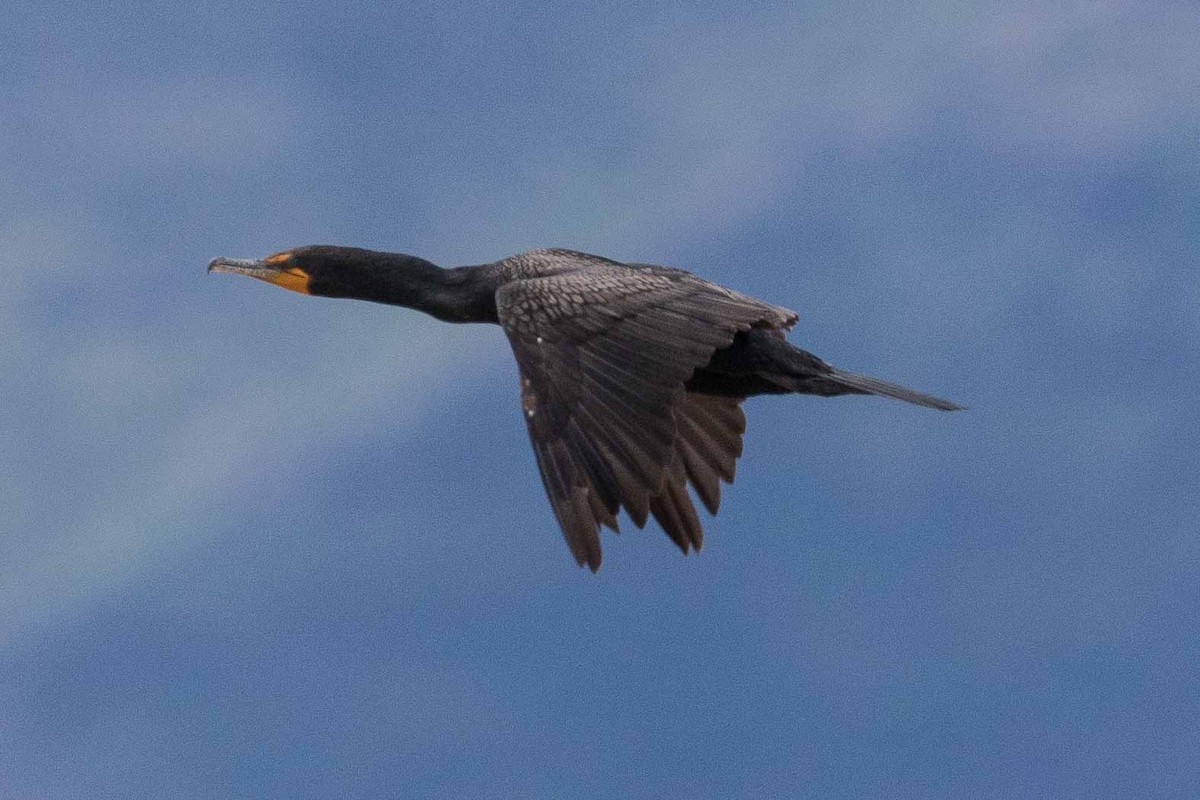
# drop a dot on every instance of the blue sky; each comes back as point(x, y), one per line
point(261, 545)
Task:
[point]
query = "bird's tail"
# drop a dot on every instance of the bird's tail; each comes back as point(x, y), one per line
point(800, 371)
point(864, 384)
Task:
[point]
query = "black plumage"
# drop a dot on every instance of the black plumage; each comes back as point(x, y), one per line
point(632, 375)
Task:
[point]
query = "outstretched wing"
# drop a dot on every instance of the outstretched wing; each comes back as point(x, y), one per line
point(604, 353)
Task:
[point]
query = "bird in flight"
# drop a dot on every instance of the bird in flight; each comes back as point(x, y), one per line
point(632, 375)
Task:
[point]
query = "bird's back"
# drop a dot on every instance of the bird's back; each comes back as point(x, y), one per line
point(595, 280)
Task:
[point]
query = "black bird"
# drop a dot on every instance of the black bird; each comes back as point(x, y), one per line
point(632, 375)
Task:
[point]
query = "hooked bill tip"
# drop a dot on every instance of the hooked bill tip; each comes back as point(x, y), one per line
point(243, 266)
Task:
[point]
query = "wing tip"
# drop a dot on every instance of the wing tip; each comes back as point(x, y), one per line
point(589, 561)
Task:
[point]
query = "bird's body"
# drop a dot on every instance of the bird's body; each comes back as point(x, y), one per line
point(632, 375)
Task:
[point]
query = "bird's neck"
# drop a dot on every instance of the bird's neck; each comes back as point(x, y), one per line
point(460, 294)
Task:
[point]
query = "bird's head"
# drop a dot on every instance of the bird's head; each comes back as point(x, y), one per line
point(323, 270)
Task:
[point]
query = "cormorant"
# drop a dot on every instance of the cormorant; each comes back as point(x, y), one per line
point(632, 375)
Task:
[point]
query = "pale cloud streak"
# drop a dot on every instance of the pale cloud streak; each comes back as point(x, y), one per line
point(126, 432)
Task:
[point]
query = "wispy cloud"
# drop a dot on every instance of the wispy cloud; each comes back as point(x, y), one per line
point(126, 430)
point(197, 122)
